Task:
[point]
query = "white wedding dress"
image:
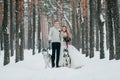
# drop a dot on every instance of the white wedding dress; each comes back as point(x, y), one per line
point(76, 61)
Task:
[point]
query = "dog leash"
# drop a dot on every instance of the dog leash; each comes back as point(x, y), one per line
point(49, 45)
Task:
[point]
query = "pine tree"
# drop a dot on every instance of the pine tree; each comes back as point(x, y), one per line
point(117, 28)
point(76, 29)
point(1, 10)
point(39, 27)
point(6, 36)
point(97, 24)
point(91, 28)
point(11, 27)
point(101, 27)
point(85, 27)
point(21, 22)
point(17, 32)
point(1, 18)
point(110, 25)
point(34, 24)
point(0, 21)
point(29, 25)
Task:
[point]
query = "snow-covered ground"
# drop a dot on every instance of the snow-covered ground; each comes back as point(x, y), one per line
point(32, 68)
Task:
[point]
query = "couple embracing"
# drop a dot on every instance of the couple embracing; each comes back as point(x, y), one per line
point(60, 37)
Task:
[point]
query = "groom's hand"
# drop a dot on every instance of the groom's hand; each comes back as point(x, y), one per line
point(49, 41)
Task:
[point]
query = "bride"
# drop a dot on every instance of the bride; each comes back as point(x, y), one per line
point(75, 56)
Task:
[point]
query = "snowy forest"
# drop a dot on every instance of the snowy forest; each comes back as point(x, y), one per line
point(94, 24)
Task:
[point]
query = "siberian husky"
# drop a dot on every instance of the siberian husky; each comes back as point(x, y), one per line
point(47, 58)
point(66, 58)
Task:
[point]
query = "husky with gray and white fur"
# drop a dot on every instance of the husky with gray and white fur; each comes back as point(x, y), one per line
point(47, 58)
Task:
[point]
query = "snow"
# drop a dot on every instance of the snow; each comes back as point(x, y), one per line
point(33, 68)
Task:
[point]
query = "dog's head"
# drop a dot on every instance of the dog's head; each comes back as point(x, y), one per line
point(44, 51)
point(66, 53)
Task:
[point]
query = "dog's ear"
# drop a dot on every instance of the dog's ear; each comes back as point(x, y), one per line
point(64, 55)
point(66, 50)
point(68, 55)
point(42, 50)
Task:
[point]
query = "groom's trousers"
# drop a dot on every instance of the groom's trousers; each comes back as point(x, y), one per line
point(55, 50)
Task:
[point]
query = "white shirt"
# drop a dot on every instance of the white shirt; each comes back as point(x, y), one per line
point(54, 34)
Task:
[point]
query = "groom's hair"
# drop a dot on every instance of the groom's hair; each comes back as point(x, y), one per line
point(56, 21)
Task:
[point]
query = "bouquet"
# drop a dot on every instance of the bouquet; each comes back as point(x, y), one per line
point(67, 39)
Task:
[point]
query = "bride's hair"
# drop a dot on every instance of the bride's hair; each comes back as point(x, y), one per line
point(67, 31)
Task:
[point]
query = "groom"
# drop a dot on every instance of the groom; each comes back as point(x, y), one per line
point(54, 38)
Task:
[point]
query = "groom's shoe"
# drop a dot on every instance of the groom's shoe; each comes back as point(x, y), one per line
point(57, 66)
point(53, 65)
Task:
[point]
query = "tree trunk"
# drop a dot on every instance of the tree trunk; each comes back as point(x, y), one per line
point(1, 40)
point(6, 36)
point(29, 26)
point(39, 28)
point(86, 36)
point(101, 28)
point(34, 24)
point(1, 13)
point(21, 22)
point(102, 54)
point(107, 32)
point(110, 24)
point(17, 32)
point(107, 28)
point(11, 28)
point(76, 34)
point(73, 23)
point(79, 22)
point(97, 24)
point(117, 28)
point(91, 28)
point(85, 27)
point(83, 37)
point(1, 20)
point(6, 49)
